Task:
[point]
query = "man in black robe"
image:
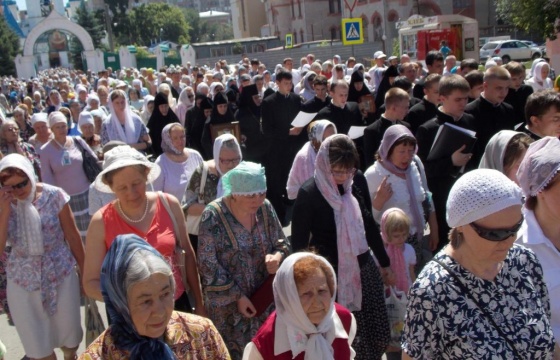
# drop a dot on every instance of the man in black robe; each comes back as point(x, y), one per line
point(426, 109)
point(321, 98)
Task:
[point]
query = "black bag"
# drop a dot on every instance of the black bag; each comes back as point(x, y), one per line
point(90, 162)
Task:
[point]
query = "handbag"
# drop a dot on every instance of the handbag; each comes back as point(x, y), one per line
point(193, 221)
point(90, 163)
point(263, 296)
point(94, 322)
point(179, 260)
point(395, 303)
point(467, 293)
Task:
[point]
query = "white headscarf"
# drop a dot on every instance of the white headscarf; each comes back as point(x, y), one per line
point(303, 335)
point(114, 128)
point(29, 226)
point(493, 157)
point(218, 143)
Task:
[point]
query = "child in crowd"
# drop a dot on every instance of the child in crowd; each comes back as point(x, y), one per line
point(395, 226)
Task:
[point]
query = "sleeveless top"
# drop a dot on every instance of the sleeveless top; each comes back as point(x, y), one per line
point(264, 339)
point(160, 235)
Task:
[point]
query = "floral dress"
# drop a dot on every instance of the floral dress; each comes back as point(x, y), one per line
point(231, 264)
point(444, 323)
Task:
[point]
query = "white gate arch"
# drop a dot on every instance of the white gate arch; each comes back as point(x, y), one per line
point(25, 64)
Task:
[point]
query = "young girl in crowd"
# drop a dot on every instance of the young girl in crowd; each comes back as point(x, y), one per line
point(395, 227)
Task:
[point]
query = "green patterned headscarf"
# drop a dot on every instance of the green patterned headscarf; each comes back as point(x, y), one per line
point(247, 178)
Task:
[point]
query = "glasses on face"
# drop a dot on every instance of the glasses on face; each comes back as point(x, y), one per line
point(21, 185)
point(497, 234)
point(230, 161)
point(340, 173)
point(13, 129)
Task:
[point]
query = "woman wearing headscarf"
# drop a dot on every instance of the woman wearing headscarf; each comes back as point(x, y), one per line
point(249, 117)
point(62, 166)
point(11, 143)
point(505, 151)
point(386, 83)
point(221, 114)
point(134, 99)
point(199, 193)
point(357, 87)
point(397, 179)
point(21, 117)
point(186, 102)
point(147, 109)
point(307, 322)
point(127, 173)
point(123, 125)
point(539, 179)
point(307, 92)
point(303, 167)
point(481, 296)
point(43, 287)
point(540, 79)
point(195, 123)
point(332, 213)
point(86, 124)
point(137, 285)
point(161, 116)
point(241, 243)
point(177, 162)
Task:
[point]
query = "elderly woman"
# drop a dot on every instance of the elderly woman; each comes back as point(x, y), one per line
point(147, 108)
point(123, 124)
point(332, 213)
point(304, 293)
point(135, 210)
point(539, 80)
point(481, 296)
point(62, 166)
point(241, 243)
point(43, 134)
point(505, 151)
point(137, 285)
point(303, 167)
point(177, 162)
point(186, 101)
point(539, 179)
point(21, 118)
point(43, 287)
point(205, 183)
point(397, 179)
point(86, 123)
point(11, 143)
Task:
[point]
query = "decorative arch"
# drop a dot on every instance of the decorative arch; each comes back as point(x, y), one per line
point(392, 15)
point(53, 22)
point(377, 24)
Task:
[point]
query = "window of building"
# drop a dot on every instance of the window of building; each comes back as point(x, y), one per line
point(333, 33)
point(215, 52)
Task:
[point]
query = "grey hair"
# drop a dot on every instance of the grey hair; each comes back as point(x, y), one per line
point(3, 128)
point(19, 110)
point(144, 264)
point(230, 145)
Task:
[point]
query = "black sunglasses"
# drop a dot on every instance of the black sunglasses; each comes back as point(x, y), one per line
point(21, 185)
point(497, 234)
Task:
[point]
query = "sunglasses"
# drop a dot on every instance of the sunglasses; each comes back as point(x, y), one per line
point(497, 234)
point(21, 185)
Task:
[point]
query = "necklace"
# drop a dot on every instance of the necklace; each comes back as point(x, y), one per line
point(129, 219)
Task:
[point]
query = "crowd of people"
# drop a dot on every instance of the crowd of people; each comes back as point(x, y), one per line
point(164, 194)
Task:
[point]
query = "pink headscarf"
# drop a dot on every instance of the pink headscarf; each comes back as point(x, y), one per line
point(395, 253)
point(391, 136)
point(350, 231)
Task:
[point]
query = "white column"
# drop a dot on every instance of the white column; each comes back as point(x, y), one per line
point(25, 66)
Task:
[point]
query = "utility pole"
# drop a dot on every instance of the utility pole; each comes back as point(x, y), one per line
point(109, 28)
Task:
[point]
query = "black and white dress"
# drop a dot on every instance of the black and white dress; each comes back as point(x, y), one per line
point(443, 323)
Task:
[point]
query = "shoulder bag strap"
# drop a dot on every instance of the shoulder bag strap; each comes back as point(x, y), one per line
point(218, 208)
point(173, 220)
point(467, 293)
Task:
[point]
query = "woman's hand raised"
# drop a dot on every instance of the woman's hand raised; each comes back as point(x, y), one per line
point(384, 193)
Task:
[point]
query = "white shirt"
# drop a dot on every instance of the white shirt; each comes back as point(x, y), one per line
point(282, 343)
point(531, 236)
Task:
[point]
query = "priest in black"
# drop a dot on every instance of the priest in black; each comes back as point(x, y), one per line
point(321, 98)
point(426, 109)
point(518, 92)
point(340, 112)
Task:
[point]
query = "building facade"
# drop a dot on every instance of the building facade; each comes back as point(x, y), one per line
point(248, 17)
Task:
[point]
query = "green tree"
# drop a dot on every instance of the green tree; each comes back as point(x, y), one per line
point(91, 23)
point(537, 16)
point(155, 21)
point(9, 48)
point(203, 31)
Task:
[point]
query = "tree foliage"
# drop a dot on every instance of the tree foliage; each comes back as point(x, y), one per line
point(203, 31)
point(153, 21)
point(9, 48)
point(91, 22)
point(537, 16)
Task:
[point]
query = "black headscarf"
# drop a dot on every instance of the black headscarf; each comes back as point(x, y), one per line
point(216, 118)
point(353, 94)
point(157, 122)
point(385, 85)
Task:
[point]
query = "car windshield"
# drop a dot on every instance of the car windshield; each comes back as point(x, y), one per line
point(489, 46)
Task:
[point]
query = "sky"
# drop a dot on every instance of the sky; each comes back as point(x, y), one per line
point(23, 6)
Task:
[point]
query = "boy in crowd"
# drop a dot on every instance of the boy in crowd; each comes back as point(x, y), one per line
point(518, 92)
point(475, 79)
point(427, 108)
point(542, 114)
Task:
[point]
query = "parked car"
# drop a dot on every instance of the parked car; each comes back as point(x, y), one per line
point(509, 50)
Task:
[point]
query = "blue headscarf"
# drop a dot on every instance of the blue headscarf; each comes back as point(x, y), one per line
point(113, 273)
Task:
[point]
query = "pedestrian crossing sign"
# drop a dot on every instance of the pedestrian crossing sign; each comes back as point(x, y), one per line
point(352, 31)
point(289, 41)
